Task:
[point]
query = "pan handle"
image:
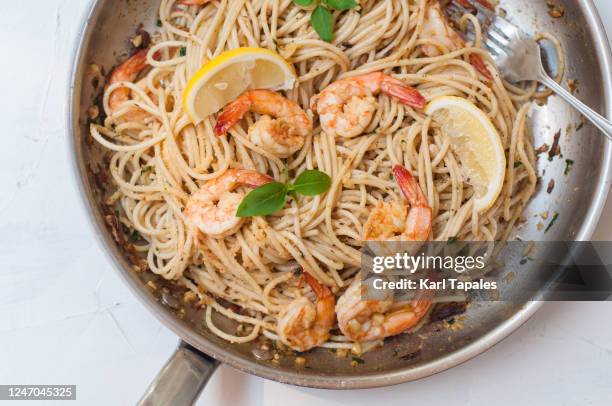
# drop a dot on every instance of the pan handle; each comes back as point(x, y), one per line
point(181, 380)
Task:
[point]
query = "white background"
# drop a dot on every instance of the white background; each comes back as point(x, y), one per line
point(65, 317)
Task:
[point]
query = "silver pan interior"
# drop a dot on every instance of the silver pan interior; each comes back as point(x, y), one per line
point(578, 198)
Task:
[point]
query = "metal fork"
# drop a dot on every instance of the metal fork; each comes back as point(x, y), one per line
point(519, 58)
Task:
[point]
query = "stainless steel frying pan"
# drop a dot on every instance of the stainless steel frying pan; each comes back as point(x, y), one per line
point(578, 197)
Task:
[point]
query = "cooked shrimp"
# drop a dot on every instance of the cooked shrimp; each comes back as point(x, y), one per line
point(484, 3)
point(212, 209)
point(281, 130)
point(395, 221)
point(346, 107)
point(437, 29)
point(128, 71)
point(367, 320)
point(303, 325)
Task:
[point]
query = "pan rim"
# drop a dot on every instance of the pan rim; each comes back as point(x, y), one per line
point(494, 336)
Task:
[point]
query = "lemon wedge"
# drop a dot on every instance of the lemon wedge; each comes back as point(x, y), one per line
point(224, 78)
point(477, 144)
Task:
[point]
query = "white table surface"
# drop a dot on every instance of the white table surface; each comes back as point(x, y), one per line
point(66, 318)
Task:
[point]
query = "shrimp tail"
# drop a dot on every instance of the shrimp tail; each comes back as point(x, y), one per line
point(129, 69)
point(409, 186)
point(320, 290)
point(477, 62)
point(486, 4)
point(326, 302)
point(467, 4)
point(232, 113)
point(253, 179)
point(405, 94)
point(418, 223)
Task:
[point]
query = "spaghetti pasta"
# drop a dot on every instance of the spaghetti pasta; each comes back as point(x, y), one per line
point(159, 161)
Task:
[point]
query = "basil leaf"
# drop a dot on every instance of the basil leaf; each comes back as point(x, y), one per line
point(303, 3)
point(312, 183)
point(264, 200)
point(341, 4)
point(322, 21)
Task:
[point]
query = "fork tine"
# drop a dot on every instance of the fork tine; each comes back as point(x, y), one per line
point(499, 39)
point(506, 28)
point(494, 49)
point(491, 45)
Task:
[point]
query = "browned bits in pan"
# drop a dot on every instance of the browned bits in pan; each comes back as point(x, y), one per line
point(445, 310)
point(542, 149)
point(556, 148)
point(555, 10)
point(142, 39)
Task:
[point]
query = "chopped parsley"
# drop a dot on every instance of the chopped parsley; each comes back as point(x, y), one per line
point(135, 236)
point(555, 217)
point(518, 163)
point(452, 240)
point(183, 51)
point(568, 166)
point(359, 360)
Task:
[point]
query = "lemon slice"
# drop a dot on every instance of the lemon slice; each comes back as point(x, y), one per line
point(477, 144)
point(230, 74)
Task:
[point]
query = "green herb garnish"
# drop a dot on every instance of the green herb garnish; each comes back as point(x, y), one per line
point(518, 163)
point(452, 240)
point(322, 17)
point(341, 5)
point(311, 183)
point(147, 169)
point(272, 197)
point(183, 51)
point(158, 23)
point(555, 217)
point(322, 21)
point(264, 200)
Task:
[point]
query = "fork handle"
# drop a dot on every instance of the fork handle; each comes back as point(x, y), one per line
point(600, 122)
